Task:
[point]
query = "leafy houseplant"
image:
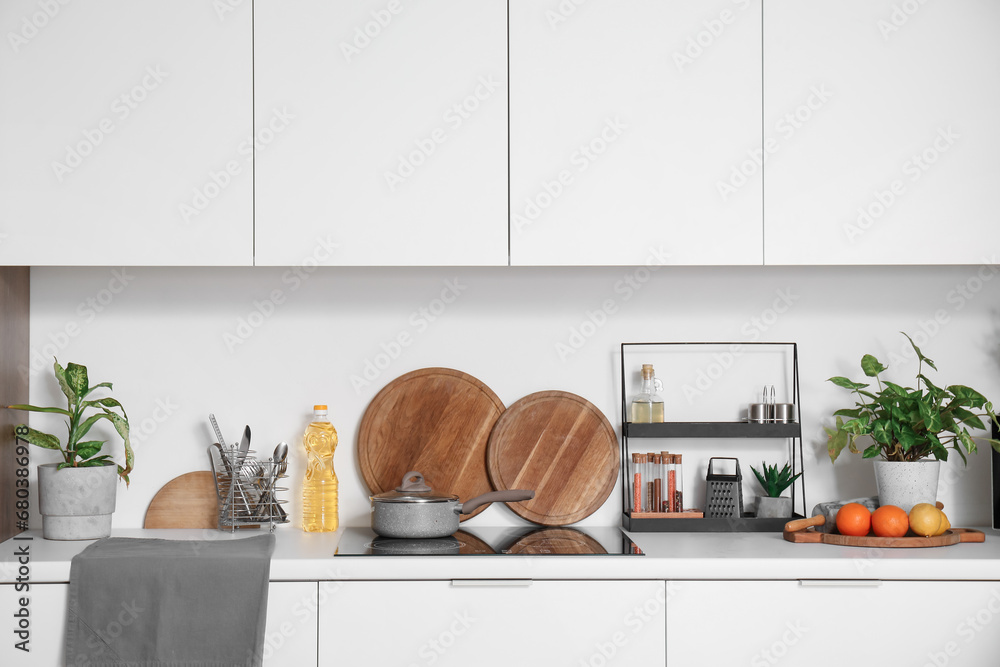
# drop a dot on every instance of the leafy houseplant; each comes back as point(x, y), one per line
point(775, 481)
point(76, 497)
point(908, 424)
point(74, 382)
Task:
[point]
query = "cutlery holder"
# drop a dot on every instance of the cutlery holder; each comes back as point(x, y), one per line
point(724, 493)
point(246, 489)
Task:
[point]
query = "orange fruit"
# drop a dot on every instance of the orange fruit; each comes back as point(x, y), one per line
point(890, 521)
point(854, 519)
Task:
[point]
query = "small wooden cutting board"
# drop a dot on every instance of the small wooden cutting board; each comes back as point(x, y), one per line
point(802, 531)
point(188, 501)
point(560, 446)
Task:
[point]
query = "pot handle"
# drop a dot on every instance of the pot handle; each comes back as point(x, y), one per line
point(413, 482)
point(512, 496)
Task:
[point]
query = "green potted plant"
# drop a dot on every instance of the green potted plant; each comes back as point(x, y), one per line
point(76, 497)
point(774, 482)
point(909, 430)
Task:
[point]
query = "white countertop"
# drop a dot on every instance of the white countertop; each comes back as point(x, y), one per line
point(300, 556)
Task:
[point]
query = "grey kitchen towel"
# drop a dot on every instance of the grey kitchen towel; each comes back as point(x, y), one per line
point(177, 603)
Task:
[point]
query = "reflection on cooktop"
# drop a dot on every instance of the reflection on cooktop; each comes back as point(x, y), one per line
point(494, 541)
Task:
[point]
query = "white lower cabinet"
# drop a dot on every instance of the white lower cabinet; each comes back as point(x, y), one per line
point(289, 641)
point(835, 623)
point(493, 623)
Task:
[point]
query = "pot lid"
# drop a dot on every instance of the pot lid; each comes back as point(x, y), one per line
point(413, 489)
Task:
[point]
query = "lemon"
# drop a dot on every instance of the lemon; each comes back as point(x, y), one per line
point(945, 524)
point(926, 519)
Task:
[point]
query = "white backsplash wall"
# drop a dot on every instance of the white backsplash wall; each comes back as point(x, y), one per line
point(260, 346)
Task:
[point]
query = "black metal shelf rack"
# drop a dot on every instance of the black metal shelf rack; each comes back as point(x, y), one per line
point(790, 431)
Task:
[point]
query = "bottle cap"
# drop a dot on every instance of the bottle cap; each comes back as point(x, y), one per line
point(319, 407)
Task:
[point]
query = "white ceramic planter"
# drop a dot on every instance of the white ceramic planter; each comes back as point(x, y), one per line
point(906, 483)
point(76, 503)
point(774, 508)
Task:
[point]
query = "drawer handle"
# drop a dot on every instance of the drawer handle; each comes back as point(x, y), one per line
point(491, 583)
point(840, 583)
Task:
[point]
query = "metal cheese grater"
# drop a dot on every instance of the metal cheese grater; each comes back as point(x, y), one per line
point(724, 493)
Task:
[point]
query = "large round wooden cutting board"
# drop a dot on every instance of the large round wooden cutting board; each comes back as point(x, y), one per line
point(560, 446)
point(563, 541)
point(188, 501)
point(436, 421)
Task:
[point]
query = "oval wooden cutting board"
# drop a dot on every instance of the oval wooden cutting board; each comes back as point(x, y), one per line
point(436, 421)
point(560, 446)
point(801, 531)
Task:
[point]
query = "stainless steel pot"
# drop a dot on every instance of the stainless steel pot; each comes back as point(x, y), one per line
point(413, 510)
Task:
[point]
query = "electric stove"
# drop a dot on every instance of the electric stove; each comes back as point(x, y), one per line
point(495, 541)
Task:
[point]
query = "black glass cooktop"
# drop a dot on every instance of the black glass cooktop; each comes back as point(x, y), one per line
point(527, 541)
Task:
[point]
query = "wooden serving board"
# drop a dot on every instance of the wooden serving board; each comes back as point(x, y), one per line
point(188, 501)
point(436, 421)
point(556, 540)
point(561, 447)
point(802, 531)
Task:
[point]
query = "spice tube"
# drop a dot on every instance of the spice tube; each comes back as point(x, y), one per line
point(679, 484)
point(672, 484)
point(636, 484)
point(657, 484)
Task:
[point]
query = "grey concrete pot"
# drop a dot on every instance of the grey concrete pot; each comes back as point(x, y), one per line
point(906, 483)
point(774, 508)
point(76, 503)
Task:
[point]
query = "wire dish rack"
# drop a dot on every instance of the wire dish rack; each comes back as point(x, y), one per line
point(247, 489)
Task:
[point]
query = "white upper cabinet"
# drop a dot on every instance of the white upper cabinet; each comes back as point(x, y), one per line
point(382, 132)
point(635, 132)
point(888, 119)
point(125, 133)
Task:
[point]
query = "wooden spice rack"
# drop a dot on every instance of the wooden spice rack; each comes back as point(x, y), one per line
point(689, 521)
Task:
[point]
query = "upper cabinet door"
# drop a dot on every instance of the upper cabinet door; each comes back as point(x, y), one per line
point(125, 133)
point(382, 132)
point(635, 132)
point(887, 117)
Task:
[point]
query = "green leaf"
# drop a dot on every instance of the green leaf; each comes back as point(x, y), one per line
point(60, 374)
point(871, 452)
point(881, 431)
point(33, 408)
point(85, 450)
point(98, 386)
point(968, 396)
point(855, 413)
point(871, 366)
point(968, 418)
point(846, 383)
point(37, 438)
point(65, 464)
point(897, 389)
point(966, 439)
point(121, 425)
point(920, 355)
point(85, 427)
point(837, 441)
point(105, 402)
point(76, 377)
